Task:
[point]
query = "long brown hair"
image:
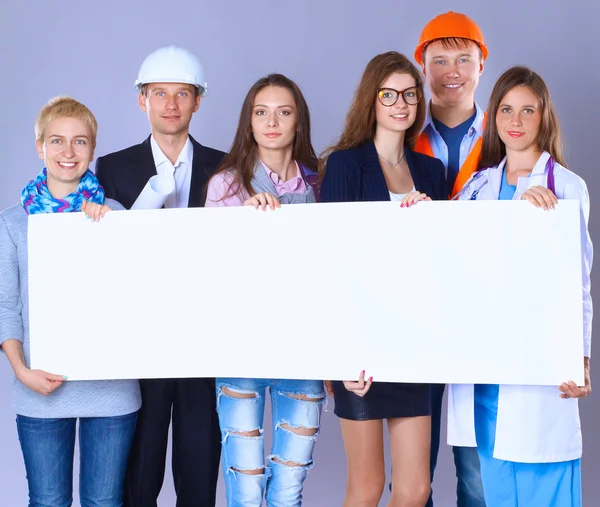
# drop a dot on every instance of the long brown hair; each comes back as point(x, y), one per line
point(549, 137)
point(243, 154)
point(361, 122)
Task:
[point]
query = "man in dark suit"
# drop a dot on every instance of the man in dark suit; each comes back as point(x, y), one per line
point(171, 85)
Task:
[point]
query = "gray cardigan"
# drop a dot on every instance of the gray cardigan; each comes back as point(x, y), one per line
point(72, 399)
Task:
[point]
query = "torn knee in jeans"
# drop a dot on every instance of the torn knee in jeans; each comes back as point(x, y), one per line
point(230, 396)
point(257, 471)
point(240, 394)
point(281, 461)
point(306, 397)
point(251, 433)
point(305, 432)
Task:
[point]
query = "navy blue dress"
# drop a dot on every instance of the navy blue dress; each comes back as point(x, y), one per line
point(356, 175)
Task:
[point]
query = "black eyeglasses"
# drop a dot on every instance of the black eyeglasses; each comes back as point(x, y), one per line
point(388, 96)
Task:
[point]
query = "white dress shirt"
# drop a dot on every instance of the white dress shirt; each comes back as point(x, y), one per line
point(399, 197)
point(181, 172)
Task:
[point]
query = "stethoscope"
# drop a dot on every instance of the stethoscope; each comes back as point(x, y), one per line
point(549, 170)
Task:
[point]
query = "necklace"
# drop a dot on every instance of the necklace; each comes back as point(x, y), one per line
point(392, 163)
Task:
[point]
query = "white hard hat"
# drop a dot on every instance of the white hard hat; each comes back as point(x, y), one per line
point(172, 65)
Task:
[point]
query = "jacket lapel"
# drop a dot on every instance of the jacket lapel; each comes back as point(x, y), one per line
point(377, 190)
point(371, 165)
point(495, 180)
point(200, 173)
point(147, 167)
point(414, 172)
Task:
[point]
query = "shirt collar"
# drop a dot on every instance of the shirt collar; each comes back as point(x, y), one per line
point(540, 165)
point(538, 168)
point(477, 123)
point(277, 181)
point(185, 155)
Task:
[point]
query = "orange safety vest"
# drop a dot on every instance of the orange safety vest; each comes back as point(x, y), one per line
point(469, 165)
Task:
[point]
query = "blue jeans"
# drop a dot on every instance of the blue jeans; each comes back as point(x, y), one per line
point(48, 446)
point(469, 489)
point(281, 484)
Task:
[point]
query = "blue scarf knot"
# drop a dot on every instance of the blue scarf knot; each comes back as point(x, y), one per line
point(36, 198)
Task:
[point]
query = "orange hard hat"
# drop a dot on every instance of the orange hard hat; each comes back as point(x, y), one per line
point(449, 25)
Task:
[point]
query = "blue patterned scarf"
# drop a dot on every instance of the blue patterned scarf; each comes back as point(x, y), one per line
point(36, 198)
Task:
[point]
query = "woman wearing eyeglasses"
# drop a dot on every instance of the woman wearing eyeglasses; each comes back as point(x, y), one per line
point(373, 161)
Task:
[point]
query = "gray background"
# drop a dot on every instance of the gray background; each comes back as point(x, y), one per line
point(92, 51)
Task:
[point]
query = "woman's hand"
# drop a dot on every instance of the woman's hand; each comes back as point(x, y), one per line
point(413, 198)
point(571, 390)
point(94, 211)
point(361, 387)
point(40, 381)
point(263, 200)
point(540, 197)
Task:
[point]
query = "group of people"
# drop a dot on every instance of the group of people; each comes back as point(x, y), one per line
point(513, 445)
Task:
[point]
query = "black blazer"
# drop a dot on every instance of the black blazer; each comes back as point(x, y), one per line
point(124, 174)
point(356, 175)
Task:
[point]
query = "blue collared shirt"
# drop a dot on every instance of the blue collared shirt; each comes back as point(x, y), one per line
point(440, 150)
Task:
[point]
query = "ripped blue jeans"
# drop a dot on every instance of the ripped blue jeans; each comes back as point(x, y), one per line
point(296, 406)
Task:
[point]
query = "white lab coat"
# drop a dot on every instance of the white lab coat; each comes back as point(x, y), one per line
point(534, 425)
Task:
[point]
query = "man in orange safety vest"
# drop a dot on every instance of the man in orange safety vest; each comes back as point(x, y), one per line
point(452, 53)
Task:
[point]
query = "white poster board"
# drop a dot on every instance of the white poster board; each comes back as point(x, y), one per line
point(445, 292)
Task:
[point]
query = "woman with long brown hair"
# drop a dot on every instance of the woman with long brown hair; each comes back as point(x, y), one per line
point(528, 437)
point(374, 161)
point(281, 146)
point(271, 162)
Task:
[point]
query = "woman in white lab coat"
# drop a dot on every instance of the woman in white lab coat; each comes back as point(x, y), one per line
point(528, 437)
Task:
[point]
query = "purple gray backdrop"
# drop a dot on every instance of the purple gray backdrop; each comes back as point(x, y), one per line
point(92, 51)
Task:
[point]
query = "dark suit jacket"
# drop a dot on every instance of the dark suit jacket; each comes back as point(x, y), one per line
point(124, 174)
point(356, 175)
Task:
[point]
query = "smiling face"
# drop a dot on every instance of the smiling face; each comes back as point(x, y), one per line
point(274, 118)
point(169, 106)
point(67, 148)
point(453, 73)
point(518, 119)
point(400, 116)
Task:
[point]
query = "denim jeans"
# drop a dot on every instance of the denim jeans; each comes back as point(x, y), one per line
point(469, 489)
point(48, 446)
point(281, 484)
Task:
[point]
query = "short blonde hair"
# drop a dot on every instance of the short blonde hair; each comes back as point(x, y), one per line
point(64, 107)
